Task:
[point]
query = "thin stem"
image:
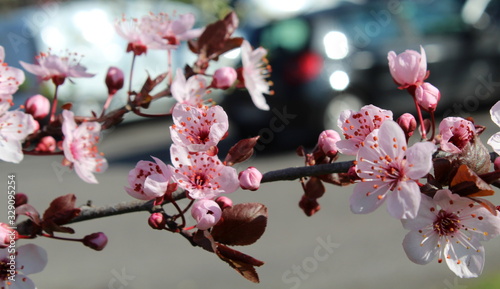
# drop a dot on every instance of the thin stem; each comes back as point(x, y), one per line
point(433, 123)
point(420, 119)
point(130, 78)
point(60, 238)
point(139, 113)
point(54, 104)
point(106, 104)
point(169, 53)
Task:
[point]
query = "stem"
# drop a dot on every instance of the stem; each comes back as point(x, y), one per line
point(420, 119)
point(433, 123)
point(54, 105)
point(139, 113)
point(60, 238)
point(169, 67)
point(106, 104)
point(130, 79)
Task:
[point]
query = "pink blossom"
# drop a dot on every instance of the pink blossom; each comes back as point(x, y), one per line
point(7, 235)
point(149, 180)
point(450, 227)
point(57, 68)
point(29, 259)
point(191, 91)
point(427, 96)
point(138, 38)
point(494, 140)
point(250, 179)
point(80, 147)
point(408, 68)
point(357, 125)
point(206, 213)
point(327, 142)
point(456, 133)
point(10, 79)
point(198, 129)
point(38, 106)
point(224, 77)
point(169, 32)
point(389, 170)
point(201, 175)
point(15, 126)
point(255, 71)
point(96, 241)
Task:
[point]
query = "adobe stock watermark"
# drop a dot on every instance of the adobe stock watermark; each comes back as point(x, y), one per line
point(120, 280)
point(483, 91)
point(277, 124)
point(33, 23)
point(298, 273)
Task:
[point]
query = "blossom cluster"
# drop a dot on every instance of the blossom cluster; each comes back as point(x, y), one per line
point(444, 223)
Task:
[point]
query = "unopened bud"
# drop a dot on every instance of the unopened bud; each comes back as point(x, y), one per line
point(38, 106)
point(250, 179)
point(96, 241)
point(427, 96)
point(157, 221)
point(408, 124)
point(206, 213)
point(224, 77)
point(7, 235)
point(224, 202)
point(327, 142)
point(114, 79)
point(21, 199)
point(46, 144)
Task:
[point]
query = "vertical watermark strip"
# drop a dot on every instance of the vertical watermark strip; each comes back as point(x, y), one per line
point(11, 220)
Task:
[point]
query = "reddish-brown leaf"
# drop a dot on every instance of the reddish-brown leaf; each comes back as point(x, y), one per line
point(242, 263)
point(242, 224)
point(467, 183)
point(314, 188)
point(241, 151)
point(60, 212)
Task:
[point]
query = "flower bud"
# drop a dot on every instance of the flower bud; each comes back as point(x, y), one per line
point(408, 68)
point(224, 78)
point(496, 164)
point(157, 221)
point(327, 142)
point(114, 79)
point(427, 96)
point(38, 106)
point(46, 144)
point(206, 213)
point(408, 123)
point(7, 235)
point(96, 241)
point(224, 202)
point(21, 199)
point(250, 179)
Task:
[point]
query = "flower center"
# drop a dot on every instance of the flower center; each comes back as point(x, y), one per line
point(461, 137)
point(6, 270)
point(446, 223)
point(199, 180)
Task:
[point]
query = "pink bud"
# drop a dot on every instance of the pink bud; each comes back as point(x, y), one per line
point(224, 77)
point(224, 202)
point(46, 144)
point(96, 241)
point(408, 68)
point(21, 199)
point(496, 164)
point(38, 106)
point(427, 96)
point(114, 79)
point(157, 221)
point(250, 179)
point(206, 213)
point(408, 123)
point(7, 235)
point(327, 142)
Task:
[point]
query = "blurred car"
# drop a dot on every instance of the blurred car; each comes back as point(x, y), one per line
point(336, 59)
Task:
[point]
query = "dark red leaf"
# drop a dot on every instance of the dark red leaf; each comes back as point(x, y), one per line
point(30, 212)
point(242, 263)
point(203, 239)
point(467, 183)
point(314, 188)
point(487, 204)
point(241, 151)
point(60, 212)
point(242, 224)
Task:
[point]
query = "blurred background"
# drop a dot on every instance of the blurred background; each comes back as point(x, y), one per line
point(326, 56)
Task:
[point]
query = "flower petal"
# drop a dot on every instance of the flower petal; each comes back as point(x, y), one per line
point(465, 262)
point(368, 196)
point(419, 249)
point(419, 159)
point(404, 201)
point(32, 258)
